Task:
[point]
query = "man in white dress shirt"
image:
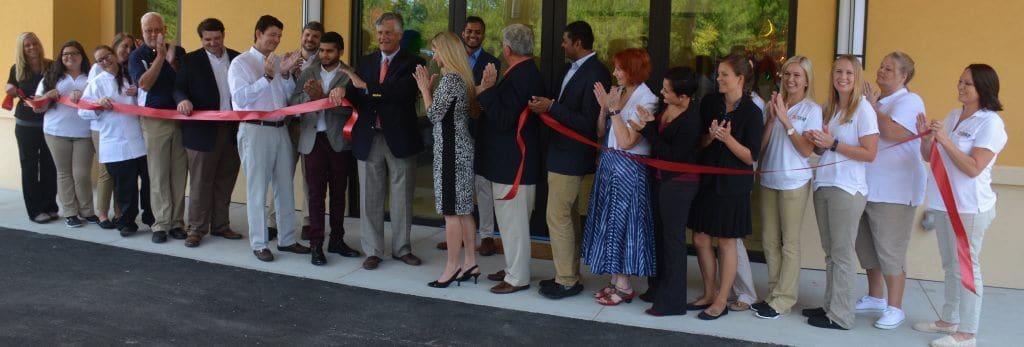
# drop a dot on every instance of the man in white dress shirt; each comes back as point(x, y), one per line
point(261, 81)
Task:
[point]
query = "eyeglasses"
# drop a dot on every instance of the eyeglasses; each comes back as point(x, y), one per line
point(70, 54)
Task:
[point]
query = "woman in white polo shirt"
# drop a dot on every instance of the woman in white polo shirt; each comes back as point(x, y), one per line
point(782, 195)
point(969, 139)
point(68, 136)
point(849, 139)
point(896, 181)
point(121, 149)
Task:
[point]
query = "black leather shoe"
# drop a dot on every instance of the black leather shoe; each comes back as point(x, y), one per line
point(559, 291)
point(107, 224)
point(547, 283)
point(813, 312)
point(294, 248)
point(128, 229)
point(177, 234)
point(342, 249)
point(824, 322)
point(318, 257)
point(159, 237)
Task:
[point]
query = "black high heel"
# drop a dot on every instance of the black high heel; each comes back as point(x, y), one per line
point(469, 273)
point(445, 284)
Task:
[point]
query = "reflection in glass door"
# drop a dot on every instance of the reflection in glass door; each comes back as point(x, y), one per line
point(617, 24)
point(499, 14)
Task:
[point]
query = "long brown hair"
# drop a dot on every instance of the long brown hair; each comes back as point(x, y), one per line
point(832, 106)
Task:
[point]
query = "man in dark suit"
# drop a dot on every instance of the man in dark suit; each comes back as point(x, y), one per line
point(501, 155)
point(569, 161)
point(386, 140)
point(202, 84)
point(326, 155)
point(473, 34)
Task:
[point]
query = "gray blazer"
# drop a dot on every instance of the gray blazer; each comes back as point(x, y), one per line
point(335, 117)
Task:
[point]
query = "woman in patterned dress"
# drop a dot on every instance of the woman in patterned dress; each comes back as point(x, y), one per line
point(453, 152)
point(618, 237)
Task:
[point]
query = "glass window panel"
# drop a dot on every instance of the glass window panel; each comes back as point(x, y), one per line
point(498, 14)
point(617, 24)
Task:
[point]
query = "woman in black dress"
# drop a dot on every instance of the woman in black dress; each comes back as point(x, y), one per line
point(674, 136)
point(448, 108)
point(722, 206)
point(38, 174)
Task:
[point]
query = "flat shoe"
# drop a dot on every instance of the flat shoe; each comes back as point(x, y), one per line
point(930, 327)
point(739, 306)
point(703, 315)
point(949, 341)
point(694, 307)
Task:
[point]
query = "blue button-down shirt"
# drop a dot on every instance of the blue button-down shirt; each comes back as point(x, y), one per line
point(473, 57)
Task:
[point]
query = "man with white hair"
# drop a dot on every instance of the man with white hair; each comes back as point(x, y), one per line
point(501, 156)
point(386, 140)
point(154, 66)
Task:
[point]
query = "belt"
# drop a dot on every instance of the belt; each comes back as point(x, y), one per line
point(267, 123)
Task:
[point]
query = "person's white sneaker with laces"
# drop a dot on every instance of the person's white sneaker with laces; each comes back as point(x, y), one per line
point(892, 317)
point(871, 304)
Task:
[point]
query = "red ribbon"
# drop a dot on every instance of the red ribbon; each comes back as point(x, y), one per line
point(963, 246)
point(8, 103)
point(312, 106)
point(346, 131)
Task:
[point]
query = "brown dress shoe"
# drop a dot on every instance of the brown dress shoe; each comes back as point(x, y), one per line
point(193, 240)
point(294, 248)
point(409, 259)
point(505, 288)
point(443, 245)
point(264, 255)
point(487, 247)
point(227, 234)
point(371, 262)
point(497, 276)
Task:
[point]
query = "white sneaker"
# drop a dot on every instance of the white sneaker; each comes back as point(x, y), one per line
point(892, 317)
point(871, 304)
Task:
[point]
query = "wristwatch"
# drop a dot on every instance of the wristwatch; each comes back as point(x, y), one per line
point(790, 131)
point(834, 145)
point(268, 77)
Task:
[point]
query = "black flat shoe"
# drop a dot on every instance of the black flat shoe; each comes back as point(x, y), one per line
point(705, 316)
point(107, 224)
point(694, 307)
point(824, 322)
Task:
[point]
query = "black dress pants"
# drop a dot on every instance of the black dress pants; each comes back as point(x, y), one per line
point(38, 174)
point(668, 288)
point(126, 175)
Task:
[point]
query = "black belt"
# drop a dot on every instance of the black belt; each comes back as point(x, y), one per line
point(267, 123)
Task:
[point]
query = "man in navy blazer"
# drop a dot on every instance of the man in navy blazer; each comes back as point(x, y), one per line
point(386, 140)
point(202, 84)
point(569, 161)
point(473, 34)
point(501, 156)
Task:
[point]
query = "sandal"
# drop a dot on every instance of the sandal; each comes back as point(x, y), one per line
point(610, 289)
point(617, 297)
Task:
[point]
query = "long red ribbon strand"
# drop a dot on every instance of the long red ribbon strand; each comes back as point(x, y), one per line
point(963, 247)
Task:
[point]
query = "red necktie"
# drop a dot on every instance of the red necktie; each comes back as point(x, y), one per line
point(383, 70)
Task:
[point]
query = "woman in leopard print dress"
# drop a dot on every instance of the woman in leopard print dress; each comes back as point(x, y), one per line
point(448, 108)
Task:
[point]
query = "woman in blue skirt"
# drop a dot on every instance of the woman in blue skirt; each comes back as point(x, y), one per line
point(618, 238)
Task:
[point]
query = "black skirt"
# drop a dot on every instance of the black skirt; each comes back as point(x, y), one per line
point(720, 215)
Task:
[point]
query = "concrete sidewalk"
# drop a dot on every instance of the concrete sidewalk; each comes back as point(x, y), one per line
point(922, 301)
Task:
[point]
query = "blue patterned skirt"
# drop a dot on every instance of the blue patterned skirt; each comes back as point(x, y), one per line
point(618, 237)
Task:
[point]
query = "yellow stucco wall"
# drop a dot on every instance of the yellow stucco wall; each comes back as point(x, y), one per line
point(942, 37)
point(338, 17)
point(240, 21)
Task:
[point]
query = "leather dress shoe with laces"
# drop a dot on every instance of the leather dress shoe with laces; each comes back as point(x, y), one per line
point(487, 247)
point(227, 234)
point(264, 255)
point(506, 288)
point(177, 234)
point(409, 259)
point(497, 276)
point(371, 262)
point(340, 248)
point(318, 257)
point(159, 237)
point(559, 291)
point(193, 240)
point(296, 248)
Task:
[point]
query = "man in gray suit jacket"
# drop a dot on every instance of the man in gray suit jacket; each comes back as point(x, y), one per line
point(326, 155)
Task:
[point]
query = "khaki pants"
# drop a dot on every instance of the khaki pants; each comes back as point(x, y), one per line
point(564, 228)
point(104, 183)
point(514, 223)
point(838, 214)
point(962, 307)
point(72, 156)
point(212, 175)
point(782, 213)
point(168, 172)
point(884, 235)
